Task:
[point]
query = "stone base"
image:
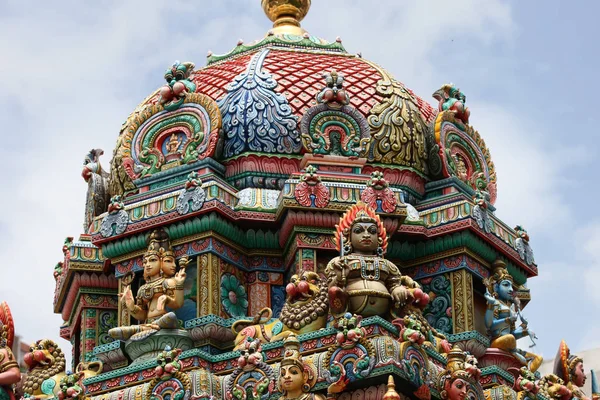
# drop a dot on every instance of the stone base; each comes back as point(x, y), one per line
point(149, 347)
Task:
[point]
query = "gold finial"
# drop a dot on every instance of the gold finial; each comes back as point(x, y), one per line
point(286, 15)
point(391, 393)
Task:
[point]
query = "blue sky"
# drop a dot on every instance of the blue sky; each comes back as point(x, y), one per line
point(73, 71)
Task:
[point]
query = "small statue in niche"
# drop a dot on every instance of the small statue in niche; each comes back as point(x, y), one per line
point(173, 144)
point(462, 171)
point(502, 312)
point(296, 377)
point(163, 287)
point(360, 280)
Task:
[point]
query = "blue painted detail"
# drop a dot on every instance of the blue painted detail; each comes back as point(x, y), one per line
point(277, 328)
point(255, 117)
point(277, 299)
point(48, 387)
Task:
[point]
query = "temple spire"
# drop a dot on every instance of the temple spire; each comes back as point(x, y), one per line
point(286, 15)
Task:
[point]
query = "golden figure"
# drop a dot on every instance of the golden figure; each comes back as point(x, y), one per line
point(296, 377)
point(502, 312)
point(9, 368)
point(163, 288)
point(173, 144)
point(360, 280)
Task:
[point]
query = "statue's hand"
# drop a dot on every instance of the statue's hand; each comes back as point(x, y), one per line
point(513, 317)
point(400, 295)
point(489, 298)
point(180, 276)
point(127, 297)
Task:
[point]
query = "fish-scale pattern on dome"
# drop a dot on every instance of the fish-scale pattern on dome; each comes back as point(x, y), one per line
point(300, 78)
point(213, 80)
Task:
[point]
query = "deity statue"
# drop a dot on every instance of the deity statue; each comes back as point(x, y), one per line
point(163, 287)
point(569, 368)
point(360, 280)
point(461, 168)
point(173, 144)
point(460, 376)
point(9, 368)
point(296, 377)
point(503, 309)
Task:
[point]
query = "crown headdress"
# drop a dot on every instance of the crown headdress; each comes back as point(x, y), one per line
point(159, 244)
point(565, 362)
point(359, 212)
point(499, 274)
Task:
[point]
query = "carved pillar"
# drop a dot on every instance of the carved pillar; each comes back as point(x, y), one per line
point(208, 267)
point(462, 301)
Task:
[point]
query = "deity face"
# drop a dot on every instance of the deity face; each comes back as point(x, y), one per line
point(151, 266)
point(505, 290)
point(578, 375)
point(292, 378)
point(363, 237)
point(457, 390)
point(168, 266)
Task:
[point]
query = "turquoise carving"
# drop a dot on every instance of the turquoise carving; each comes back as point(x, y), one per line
point(233, 296)
point(438, 312)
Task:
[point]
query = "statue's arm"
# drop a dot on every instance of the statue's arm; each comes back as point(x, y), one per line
point(9, 368)
point(394, 277)
point(138, 311)
point(173, 293)
point(333, 271)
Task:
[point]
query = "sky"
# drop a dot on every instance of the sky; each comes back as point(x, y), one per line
point(74, 70)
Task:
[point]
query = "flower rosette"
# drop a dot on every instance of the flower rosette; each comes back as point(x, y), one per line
point(233, 296)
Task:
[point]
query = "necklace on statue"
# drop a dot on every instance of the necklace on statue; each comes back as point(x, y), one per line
point(372, 273)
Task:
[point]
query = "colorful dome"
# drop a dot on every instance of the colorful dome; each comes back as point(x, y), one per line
point(279, 98)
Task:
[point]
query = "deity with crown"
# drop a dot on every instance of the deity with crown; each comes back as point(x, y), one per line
point(163, 287)
point(460, 377)
point(296, 377)
point(360, 280)
point(569, 370)
point(503, 310)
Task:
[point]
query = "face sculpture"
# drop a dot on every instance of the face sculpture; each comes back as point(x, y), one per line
point(168, 266)
point(151, 266)
point(292, 379)
point(363, 238)
point(504, 290)
point(457, 390)
point(578, 375)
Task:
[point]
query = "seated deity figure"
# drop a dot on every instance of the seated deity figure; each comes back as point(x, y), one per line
point(502, 312)
point(163, 288)
point(360, 280)
point(296, 378)
point(569, 368)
